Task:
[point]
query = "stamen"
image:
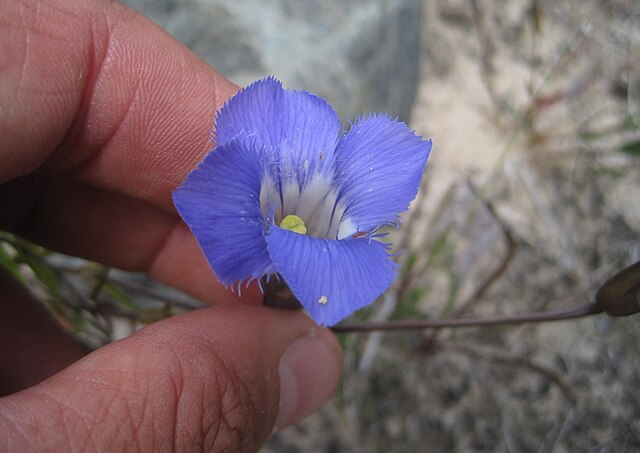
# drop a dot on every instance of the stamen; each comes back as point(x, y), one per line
point(315, 201)
point(293, 223)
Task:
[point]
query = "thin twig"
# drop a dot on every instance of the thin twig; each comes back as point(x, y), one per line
point(482, 289)
point(504, 263)
point(507, 359)
point(487, 53)
point(421, 324)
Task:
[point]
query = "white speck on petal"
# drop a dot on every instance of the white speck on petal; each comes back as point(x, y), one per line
point(323, 300)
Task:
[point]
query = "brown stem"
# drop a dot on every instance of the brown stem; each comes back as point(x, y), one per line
point(277, 293)
point(420, 324)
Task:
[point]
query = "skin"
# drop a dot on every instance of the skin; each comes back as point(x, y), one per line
point(102, 115)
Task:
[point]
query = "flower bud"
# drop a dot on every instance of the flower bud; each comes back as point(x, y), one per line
point(620, 295)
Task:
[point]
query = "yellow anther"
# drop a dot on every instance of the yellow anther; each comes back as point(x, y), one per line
point(293, 223)
point(323, 300)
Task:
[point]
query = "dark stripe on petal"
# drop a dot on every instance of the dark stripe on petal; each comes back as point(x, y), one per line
point(220, 202)
point(301, 129)
point(379, 166)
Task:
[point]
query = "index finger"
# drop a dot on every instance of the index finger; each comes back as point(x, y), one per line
point(107, 115)
point(101, 91)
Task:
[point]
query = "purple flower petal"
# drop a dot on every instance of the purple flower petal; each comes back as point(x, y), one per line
point(331, 278)
point(220, 202)
point(281, 153)
point(254, 111)
point(300, 128)
point(379, 165)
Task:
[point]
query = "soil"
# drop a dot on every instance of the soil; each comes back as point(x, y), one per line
point(533, 108)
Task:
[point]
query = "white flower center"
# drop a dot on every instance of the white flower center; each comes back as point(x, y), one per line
point(316, 204)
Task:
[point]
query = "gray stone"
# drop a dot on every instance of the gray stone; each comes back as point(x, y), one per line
point(361, 55)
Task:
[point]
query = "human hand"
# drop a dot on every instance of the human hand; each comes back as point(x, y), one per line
point(102, 115)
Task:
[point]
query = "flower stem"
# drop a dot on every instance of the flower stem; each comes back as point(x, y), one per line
point(419, 324)
point(277, 293)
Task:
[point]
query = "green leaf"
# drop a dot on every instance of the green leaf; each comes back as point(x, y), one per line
point(119, 295)
point(78, 322)
point(439, 247)
point(590, 135)
point(10, 264)
point(408, 306)
point(453, 294)
point(408, 264)
point(632, 148)
point(23, 244)
point(44, 272)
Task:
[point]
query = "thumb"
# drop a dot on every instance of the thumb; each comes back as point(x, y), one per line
point(217, 379)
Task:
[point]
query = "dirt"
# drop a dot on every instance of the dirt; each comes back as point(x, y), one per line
point(531, 106)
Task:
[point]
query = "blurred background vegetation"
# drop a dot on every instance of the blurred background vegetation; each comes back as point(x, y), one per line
point(530, 201)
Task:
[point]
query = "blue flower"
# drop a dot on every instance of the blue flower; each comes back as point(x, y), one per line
point(287, 191)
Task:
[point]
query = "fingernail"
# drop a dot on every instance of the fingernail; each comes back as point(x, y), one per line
point(309, 374)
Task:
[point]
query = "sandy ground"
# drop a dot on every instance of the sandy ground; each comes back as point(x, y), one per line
point(516, 100)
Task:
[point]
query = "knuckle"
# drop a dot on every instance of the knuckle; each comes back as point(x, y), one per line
point(186, 397)
point(229, 418)
point(214, 410)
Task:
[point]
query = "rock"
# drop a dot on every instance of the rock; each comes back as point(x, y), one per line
point(360, 55)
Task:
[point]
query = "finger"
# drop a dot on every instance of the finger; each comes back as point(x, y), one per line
point(34, 346)
point(98, 89)
point(196, 381)
point(103, 96)
point(152, 240)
